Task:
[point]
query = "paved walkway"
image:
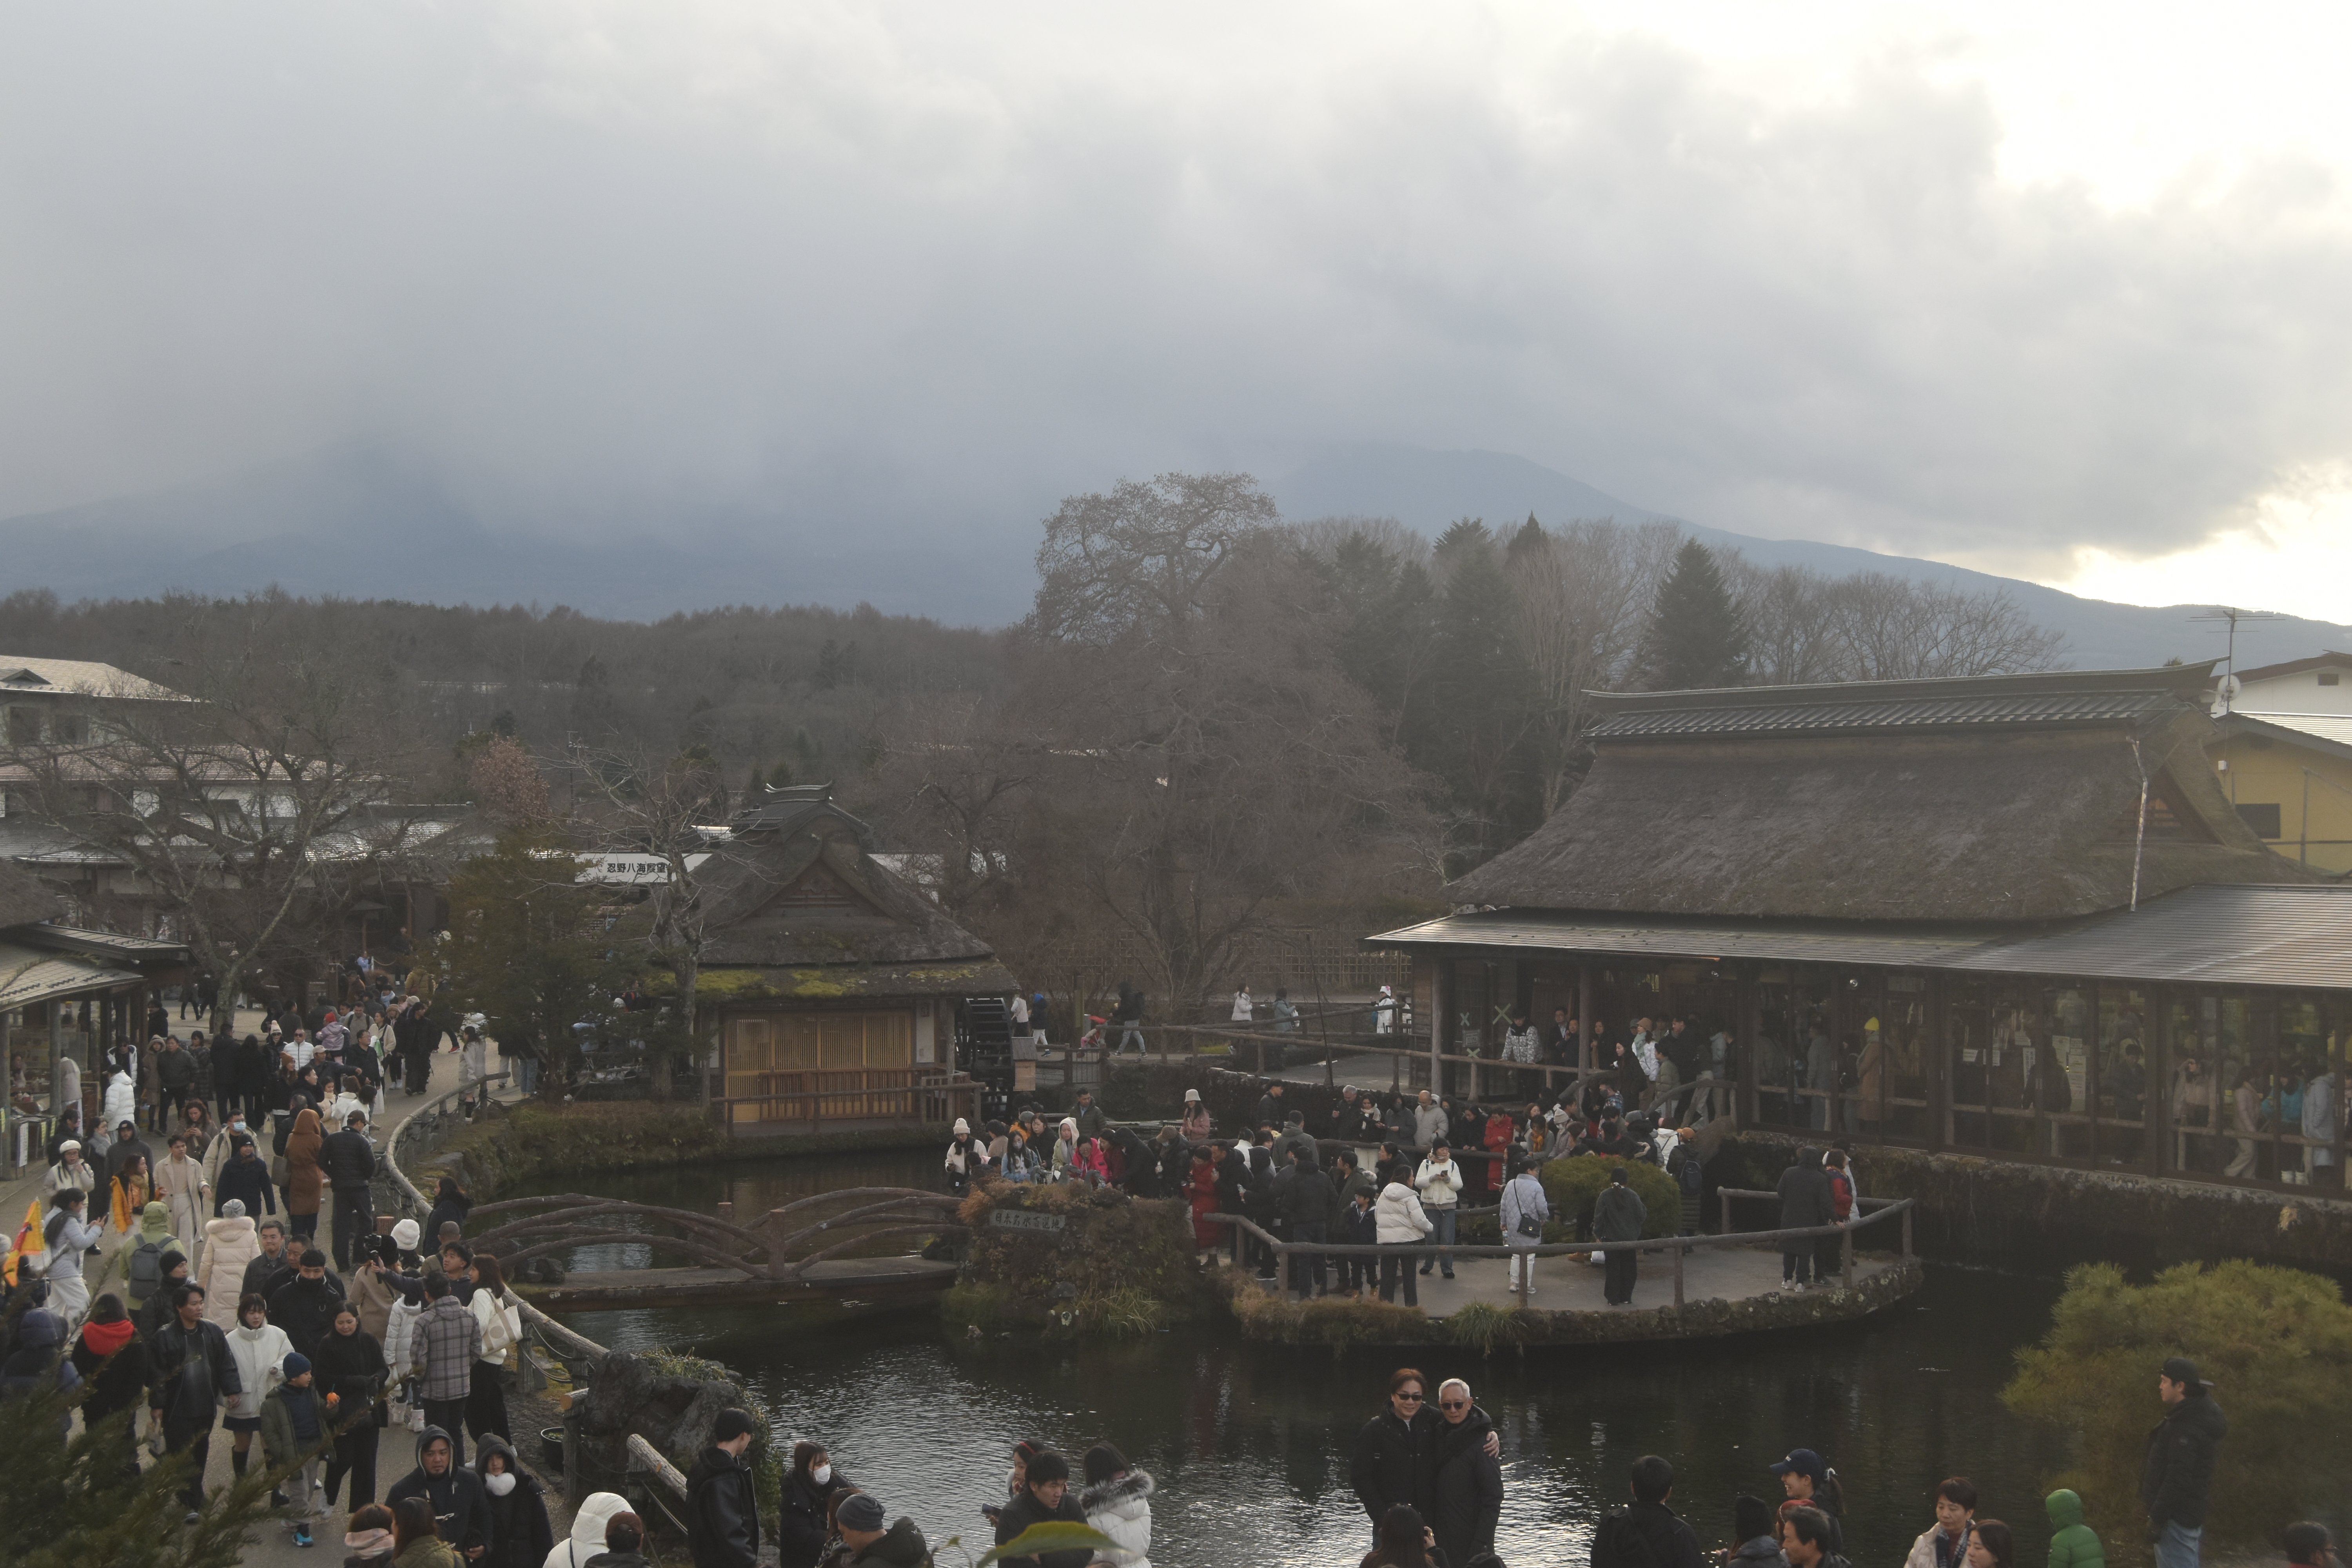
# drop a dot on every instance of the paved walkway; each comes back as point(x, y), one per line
point(1564, 1285)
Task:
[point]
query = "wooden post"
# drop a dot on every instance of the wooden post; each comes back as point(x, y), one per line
point(1846, 1256)
point(1906, 1235)
point(727, 1211)
point(1678, 1276)
point(1724, 1199)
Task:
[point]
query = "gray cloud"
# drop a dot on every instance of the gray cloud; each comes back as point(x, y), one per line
point(923, 270)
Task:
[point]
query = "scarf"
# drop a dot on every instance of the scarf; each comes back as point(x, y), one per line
point(105, 1338)
point(369, 1543)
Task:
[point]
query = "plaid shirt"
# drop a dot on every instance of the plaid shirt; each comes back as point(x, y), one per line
point(453, 1342)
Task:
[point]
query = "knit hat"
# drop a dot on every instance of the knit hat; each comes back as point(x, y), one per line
point(233, 1209)
point(405, 1234)
point(69, 1143)
point(296, 1363)
point(962, 1128)
point(862, 1512)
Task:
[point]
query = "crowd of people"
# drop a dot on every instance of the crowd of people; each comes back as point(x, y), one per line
point(1407, 1167)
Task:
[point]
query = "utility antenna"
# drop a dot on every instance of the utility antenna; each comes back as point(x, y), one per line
point(2233, 615)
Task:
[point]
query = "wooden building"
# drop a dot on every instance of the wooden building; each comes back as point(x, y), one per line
point(2011, 915)
point(837, 986)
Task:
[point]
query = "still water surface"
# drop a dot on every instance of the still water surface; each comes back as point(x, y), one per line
point(1250, 1444)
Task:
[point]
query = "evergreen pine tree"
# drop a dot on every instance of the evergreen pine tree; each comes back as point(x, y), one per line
point(1696, 637)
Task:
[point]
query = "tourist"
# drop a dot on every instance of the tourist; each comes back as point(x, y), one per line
point(194, 1372)
point(156, 1311)
point(1525, 1210)
point(1303, 1195)
point(110, 1360)
point(1118, 1502)
point(1945, 1544)
point(1065, 1153)
point(368, 1536)
point(1439, 1181)
point(1402, 1224)
point(180, 1184)
point(305, 1305)
point(231, 1245)
point(448, 1341)
point(260, 1348)
point(460, 1506)
point(69, 1169)
point(37, 1361)
point(1808, 1482)
point(1019, 1165)
point(294, 1427)
point(2308, 1545)
point(1805, 1199)
point(587, 1541)
point(1271, 1109)
point(1757, 1535)
point(516, 1506)
point(1811, 1539)
point(349, 1368)
point(808, 1487)
point(449, 1204)
point(68, 1238)
point(243, 1179)
point(866, 1544)
point(965, 1159)
point(2176, 1480)
point(722, 1513)
point(1044, 1497)
point(501, 1316)
point(1197, 1124)
point(1089, 1116)
point(2073, 1544)
point(2320, 1128)
point(1467, 1488)
point(1618, 1214)
point(625, 1543)
point(416, 1537)
point(350, 1162)
point(1401, 1538)
point(1429, 1124)
point(270, 1267)
point(144, 1268)
point(1646, 1534)
point(1687, 1166)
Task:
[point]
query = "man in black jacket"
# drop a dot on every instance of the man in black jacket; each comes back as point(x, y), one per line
point(2176, 1482)
point(1303, 1196)
point(461, 1508)
point(1469, 1481)
point(349, 1165)
point(722, 1523)
point(1805, 1201)
point(1045, 1498)
point(1648, 1534)
point(1397, 1452)
point(193, 1371)
point(1270, 1110)
point(305, 1305)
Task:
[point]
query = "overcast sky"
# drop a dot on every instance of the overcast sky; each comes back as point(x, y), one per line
point(2064, 297)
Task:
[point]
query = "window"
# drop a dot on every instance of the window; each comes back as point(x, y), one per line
point(69, 729)
point(2329, 678)
point(2262, 819)
point(23, 726)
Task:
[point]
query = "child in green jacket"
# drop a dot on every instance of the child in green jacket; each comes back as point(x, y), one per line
point(293, 1431)
point(2073, 1544)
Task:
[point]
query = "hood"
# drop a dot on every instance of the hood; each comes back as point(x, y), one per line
point(588, 1524)
point(2201, 1412)
point(1808, 1155)
point(902, 1546)
point(1762, 1549)
point(1132, 1487)
point(426, 1436)
point(40, 1330)
point(2065, 1509)
point(1396, 1194)
point(238, 1229)
point(490, 1443)
point(156, 1222)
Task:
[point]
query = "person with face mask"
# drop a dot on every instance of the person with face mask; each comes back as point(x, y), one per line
point(800, 1537)
point(520, 1535)
point(461, 1505)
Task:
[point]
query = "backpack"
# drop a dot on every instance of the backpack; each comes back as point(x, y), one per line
point(146, 1270)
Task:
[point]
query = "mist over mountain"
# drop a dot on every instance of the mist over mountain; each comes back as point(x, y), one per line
point(361, 522)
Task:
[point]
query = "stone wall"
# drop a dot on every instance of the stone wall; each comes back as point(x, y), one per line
point(2047, 1217)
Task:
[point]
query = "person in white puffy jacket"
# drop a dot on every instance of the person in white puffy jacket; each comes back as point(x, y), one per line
point(1402, 1223)
point(230, 1243)
point(587, 1539)
point(121, 1102)
point(260, 1348)
point(1118, 1501)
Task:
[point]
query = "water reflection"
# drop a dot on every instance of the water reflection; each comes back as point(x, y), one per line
point(1251, 1444)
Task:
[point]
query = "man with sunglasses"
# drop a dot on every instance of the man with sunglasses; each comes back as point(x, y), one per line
point(1397, 1453)
point(1469, 1481)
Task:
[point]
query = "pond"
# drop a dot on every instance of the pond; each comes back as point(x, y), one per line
point(1250, 1444)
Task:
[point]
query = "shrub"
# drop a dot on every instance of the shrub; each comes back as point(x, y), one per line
point(1571, 1184)
point(2275, 1343)
point(1482, 1326)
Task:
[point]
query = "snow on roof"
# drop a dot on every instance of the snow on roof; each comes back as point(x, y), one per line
point(83, 678)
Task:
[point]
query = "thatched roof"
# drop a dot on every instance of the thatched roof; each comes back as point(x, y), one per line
point(803, 893)
point(25, 900)
point(2008, 798)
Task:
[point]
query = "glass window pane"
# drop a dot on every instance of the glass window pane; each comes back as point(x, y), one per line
point(1967, 1041)
point(2122, 1078)
point(2019, 1041)
point(2190, 1099)
point(2063, 1073)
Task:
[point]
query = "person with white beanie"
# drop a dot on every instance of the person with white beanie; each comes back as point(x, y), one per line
point(966, 1159)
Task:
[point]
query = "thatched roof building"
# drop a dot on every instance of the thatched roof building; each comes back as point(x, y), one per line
point(1993, 798)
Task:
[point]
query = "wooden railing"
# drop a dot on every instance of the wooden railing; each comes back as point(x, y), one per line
point(925, 1096)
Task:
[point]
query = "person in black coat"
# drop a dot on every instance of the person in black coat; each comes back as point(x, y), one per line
point(461, 1515)
point(1805, 1201)
point(722, 1521)
point(808, 1488)
point(1045, 1496)
point(2176, 1481)
point(348, 1160)
point(1468, 1495)
point(245, 1179)
point(521, 1536)
point(1395, 1463)
point(305, 1305)
point(112, 1359)
point(1303, 1196)
point(1648, 1534)
point(349, 1367)
point(449, 1203)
